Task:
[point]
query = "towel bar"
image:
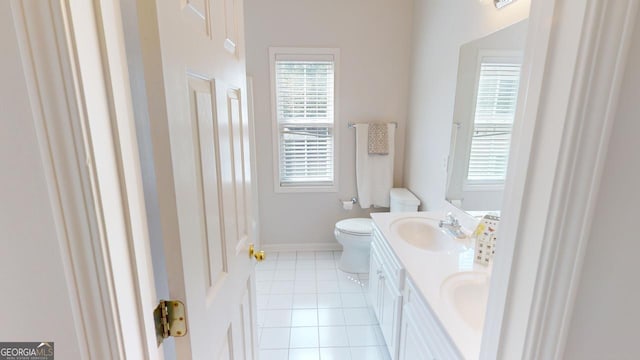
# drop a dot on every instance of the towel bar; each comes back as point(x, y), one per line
point(351, 125)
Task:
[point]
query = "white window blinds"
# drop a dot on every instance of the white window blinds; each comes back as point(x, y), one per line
point(304, 101)
point(495, 109)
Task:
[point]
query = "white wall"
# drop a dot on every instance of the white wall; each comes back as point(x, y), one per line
point(439, 29)
point(607, 312)
point(35, 298)
point(374, 40)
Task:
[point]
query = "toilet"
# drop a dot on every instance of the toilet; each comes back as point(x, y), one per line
point(355, 234)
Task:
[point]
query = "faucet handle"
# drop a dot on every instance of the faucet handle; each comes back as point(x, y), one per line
point(449, 220)
point(452, 219)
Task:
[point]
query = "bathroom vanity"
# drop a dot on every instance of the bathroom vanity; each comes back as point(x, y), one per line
point(426, 291)
point(429, 295)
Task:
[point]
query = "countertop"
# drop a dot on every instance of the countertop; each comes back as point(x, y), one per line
point(428, 270)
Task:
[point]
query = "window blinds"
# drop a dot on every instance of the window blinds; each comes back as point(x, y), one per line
point(495, 109)
point(304, 109)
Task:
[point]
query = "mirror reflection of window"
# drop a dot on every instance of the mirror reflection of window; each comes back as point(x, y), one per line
point(497, 94)
point(483, 117)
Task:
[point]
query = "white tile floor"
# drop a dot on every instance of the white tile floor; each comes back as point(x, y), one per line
point(308, 309)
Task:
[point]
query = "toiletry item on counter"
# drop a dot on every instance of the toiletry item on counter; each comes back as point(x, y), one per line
point(486, 234)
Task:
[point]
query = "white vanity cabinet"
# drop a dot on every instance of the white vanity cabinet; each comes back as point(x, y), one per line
point(421, 336)
point(386, 277)
point(412, 289)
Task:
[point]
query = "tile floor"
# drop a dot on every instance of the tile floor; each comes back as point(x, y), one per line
point(309, 309)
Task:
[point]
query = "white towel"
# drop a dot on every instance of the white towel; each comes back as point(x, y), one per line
point(374, 173)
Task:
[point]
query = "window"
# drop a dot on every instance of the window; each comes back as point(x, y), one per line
point(497, 95)
point(304, 113)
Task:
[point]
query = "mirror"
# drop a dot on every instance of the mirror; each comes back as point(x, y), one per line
point(485, 102)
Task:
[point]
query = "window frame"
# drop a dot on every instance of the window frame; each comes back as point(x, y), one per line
point(509, 56)
point(297, 53)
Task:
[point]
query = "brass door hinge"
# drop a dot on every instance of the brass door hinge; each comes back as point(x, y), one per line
point(170, 320)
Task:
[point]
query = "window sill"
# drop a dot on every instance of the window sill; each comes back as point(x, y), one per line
point(306, 189)
point(483, 187)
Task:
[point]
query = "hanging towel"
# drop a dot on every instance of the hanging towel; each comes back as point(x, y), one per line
point(378, 139)
point(374, 173)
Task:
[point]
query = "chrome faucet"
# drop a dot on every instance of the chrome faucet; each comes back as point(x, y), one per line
point(452, 226)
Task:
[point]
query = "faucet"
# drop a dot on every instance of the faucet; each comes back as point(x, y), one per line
point(452, 226)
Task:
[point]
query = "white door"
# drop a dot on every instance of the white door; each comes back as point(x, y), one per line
point(196, 87)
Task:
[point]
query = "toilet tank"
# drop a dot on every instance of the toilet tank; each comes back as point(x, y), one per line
point(402, 200)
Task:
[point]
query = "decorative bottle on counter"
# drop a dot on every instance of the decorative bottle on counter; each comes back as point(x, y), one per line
point(486, 234)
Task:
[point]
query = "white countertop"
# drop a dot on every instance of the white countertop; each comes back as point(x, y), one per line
point(428, 270)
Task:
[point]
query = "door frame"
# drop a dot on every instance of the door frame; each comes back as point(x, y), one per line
point(77, 79)
point(572, 69)
point(574, 61)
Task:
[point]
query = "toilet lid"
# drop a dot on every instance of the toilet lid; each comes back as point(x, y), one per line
point(356, 226)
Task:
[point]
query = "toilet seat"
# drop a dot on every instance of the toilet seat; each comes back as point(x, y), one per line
point(355, 226)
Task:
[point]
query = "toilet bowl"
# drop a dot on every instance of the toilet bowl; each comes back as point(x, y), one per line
point(355, 237)
point(355, 234)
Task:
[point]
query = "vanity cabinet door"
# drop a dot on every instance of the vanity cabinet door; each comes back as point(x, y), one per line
point(421, 335)
point(390, 308)
point(412, 339)
point(375, 271)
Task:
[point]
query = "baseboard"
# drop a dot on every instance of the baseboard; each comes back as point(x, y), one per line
point(303, 247)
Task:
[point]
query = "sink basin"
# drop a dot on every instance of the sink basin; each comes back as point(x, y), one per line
point(466, 295)
point(422, 233)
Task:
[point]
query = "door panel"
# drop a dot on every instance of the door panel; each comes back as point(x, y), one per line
point(202, 110)
point(235, 118)
point(198, 14)
point(227, 166)
point(227, 350)
point(375, 270)
point(231, 27)
point(412, 344)
point(391, 301)
point(247, 321)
